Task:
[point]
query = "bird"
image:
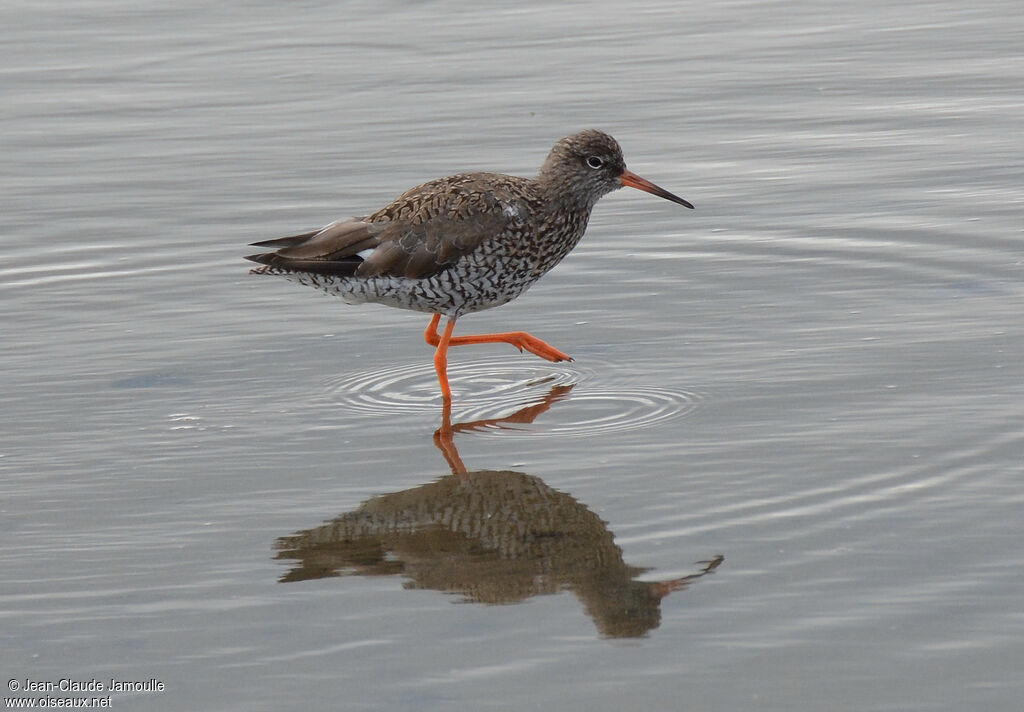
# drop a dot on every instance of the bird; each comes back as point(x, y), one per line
point(464, 243)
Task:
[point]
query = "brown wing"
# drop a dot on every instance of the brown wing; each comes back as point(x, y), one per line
point(433, 225)
point(342, 238)
point(421, 233)
point(332, 250)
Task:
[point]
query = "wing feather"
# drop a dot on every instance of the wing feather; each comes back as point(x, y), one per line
point(423, 232)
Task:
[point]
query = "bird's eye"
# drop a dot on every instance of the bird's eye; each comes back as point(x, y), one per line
point(595, 162)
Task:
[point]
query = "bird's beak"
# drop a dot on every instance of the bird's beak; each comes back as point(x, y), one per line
point(634, 181)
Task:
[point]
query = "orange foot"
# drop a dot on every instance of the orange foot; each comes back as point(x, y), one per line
point(520, 339)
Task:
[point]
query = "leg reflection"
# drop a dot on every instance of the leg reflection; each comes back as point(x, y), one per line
point(493, 537)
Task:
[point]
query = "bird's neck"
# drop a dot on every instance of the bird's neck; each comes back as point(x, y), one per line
point(565, 201)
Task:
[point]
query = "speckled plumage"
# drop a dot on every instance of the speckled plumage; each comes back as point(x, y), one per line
point(459, 244)
point(464, 243)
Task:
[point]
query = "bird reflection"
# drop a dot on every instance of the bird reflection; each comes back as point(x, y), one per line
point(494, 537)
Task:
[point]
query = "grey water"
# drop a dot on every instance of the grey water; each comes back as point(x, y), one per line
point(784, 472)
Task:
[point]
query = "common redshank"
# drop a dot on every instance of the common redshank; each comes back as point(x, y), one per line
point(464, 243)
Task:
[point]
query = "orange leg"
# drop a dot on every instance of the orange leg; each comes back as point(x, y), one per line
point(441, 355)
point(520, 339)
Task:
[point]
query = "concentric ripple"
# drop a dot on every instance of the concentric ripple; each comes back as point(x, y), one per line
point(600, 411)
point(492, 391)
point(481, 384)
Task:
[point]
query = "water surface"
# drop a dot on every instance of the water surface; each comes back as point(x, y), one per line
point(802, 401)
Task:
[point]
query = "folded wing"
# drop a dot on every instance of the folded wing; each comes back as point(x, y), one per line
point(412, 237)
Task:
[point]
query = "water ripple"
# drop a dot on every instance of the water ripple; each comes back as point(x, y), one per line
point(486, 390)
